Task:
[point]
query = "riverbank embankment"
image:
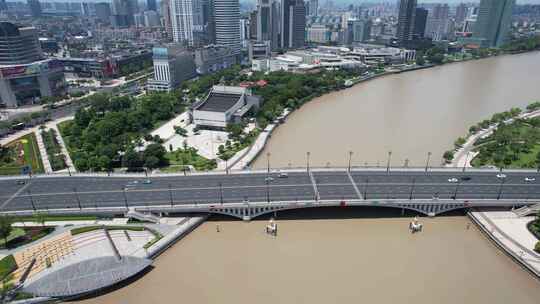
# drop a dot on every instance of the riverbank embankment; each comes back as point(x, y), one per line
point(509, 232)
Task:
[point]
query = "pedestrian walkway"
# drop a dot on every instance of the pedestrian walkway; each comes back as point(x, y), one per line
point(43, 152)
point(510, 232)
point(54, 125)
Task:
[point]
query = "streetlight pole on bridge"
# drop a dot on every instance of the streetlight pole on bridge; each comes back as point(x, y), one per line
point(268, 162)
point(412, 189)
point(350, 159)
point(307, 157)
point(465, 163)
point(77, 197)
point(427, 161)
point(454, 197)
point(365, 189)
point(31, 200)
point(170, 195)
point(267, 191)
point(388, 161)
point(125, 198)
point(501, 188)
point(221, 193)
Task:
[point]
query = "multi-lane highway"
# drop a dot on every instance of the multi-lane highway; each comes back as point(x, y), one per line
point(86, 192)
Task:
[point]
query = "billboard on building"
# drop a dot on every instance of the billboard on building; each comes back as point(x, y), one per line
point(30, 69)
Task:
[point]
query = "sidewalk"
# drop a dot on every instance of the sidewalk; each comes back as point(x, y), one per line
point(54, 125)
point(43, 152)
point(510, 232)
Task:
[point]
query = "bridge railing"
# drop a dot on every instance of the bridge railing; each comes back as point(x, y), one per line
point(208, 206)
point(272, 170)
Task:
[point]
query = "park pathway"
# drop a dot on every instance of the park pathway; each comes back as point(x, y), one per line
point(43, 152)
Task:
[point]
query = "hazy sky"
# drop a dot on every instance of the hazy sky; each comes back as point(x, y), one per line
point(419, 1)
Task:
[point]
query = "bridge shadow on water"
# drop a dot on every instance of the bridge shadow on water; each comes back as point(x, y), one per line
point(349, 212)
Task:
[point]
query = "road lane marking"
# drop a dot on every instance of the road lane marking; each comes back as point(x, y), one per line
point(14, 195)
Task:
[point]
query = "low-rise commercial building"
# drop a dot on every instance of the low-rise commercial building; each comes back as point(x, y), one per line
point(306, 60)
point(370, 54)
point(223, 105)
point(259, 49)
point(213, 58)
point(106, 65)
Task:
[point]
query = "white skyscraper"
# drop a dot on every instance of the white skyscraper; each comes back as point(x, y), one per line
point(227, 21)
point(182, 21)
point(186, 17)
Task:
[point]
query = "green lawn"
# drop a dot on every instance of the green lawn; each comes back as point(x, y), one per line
point(7, 266)
point(15, 233)
point(56, 218)
point(525, 160)
point(185, 157)
point(31, 157)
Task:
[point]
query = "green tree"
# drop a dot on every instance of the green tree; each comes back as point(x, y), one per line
point(131, 160)
point(105, 163)
point(235, 130)
point(157, 151)
point(180, 131)
point(151, 162)
point(459, 142)
point(448, 156)
point(81, 164)
point(5, 228)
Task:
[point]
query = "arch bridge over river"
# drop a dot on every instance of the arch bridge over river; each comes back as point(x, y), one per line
point(248, 194)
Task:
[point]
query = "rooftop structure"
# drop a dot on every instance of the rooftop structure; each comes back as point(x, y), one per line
point(219, 102)
point(224, 104)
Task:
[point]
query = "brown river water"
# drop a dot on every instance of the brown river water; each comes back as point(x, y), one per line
point(333, 261)
point(410, 114)
point(360, 260)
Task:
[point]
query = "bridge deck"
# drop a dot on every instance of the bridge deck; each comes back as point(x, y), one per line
point(67, 192)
